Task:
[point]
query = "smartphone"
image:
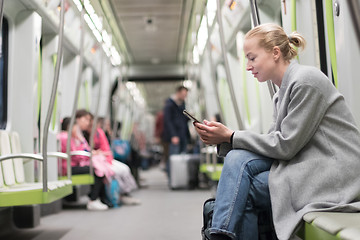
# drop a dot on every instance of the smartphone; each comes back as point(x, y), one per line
point(191, 117)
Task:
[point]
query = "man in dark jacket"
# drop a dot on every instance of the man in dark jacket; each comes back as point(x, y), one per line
point(176, 131)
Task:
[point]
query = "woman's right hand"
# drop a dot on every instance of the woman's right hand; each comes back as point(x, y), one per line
point(213, 132)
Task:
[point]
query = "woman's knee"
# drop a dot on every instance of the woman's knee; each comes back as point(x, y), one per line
point(237, 157)
point(245, 159)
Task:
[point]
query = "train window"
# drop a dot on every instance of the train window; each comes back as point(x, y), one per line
point(4, 73)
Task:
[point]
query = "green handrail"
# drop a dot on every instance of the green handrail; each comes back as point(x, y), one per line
point(331, 38)
point(293, 20)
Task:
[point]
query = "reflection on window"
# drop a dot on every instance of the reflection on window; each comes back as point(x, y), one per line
point(211, 8)
point(3, 73)
point(202, 35)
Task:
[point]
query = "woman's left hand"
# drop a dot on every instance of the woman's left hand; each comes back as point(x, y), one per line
point(213, 132)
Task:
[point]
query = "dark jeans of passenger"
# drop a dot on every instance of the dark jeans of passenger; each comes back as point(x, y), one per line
point(98, 188)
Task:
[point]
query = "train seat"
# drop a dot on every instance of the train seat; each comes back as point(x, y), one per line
point(211, 170)
point(81, 179)
point(14, 190)
point(331, 226)
point(210, 167)
point(80, 182)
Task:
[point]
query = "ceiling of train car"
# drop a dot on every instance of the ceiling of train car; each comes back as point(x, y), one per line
point(155, 33)
point(153, 29)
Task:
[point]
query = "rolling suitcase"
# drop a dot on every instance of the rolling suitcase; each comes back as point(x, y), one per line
point(184, 170)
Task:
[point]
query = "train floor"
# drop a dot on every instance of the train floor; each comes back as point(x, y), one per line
point(162, 215)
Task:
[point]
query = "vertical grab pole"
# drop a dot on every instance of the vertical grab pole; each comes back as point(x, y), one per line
point(96, 113)
point(256, 21)
point(213, 70)
point(53, 95)
point(76, 97)
point(254, 13)
point(227, 67)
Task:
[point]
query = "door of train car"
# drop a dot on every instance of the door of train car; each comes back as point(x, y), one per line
point(332, 44)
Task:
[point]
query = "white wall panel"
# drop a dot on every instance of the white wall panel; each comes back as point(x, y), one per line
point(348, 59)
point(67, 84)
point(23, 90)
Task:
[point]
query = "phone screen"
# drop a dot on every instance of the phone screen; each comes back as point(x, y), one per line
point(191, 117)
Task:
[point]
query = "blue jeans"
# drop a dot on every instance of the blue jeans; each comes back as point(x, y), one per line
point(242, 192)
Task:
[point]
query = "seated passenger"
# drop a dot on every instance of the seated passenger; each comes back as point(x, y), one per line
point(80, 164)
point(108, 130)
point(121, 171)
point(77, 143)
point(309, 159)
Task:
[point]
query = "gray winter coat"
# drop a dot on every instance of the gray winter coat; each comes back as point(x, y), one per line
point(316, 146)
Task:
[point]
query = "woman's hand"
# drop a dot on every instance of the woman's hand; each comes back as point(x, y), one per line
point(95, 152)
point(213, 132)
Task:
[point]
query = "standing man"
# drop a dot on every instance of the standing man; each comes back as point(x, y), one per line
point(176, 131)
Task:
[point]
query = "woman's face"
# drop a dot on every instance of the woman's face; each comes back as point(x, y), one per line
point(261, 63)
point(83, 122)
point(182, 94)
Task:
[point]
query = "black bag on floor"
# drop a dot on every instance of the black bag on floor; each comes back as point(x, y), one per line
point(266, 230)
point(208, 211)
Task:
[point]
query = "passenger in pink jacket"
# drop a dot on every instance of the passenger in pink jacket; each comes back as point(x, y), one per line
point(77, 143)
point(101, 144)
point(80, 164)
point(122, 173)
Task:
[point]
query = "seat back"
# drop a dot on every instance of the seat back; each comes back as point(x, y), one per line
point(18, 162)
point(7, 165)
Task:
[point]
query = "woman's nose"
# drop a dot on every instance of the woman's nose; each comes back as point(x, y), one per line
point(248, 67)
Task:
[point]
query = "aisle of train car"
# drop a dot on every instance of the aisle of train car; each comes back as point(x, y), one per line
point(163, 214)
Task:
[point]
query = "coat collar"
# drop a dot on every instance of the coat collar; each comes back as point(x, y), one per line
point(285, 82)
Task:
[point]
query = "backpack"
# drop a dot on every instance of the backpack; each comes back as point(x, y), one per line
point(266, 230)
point(113, 192)
point(121, 150)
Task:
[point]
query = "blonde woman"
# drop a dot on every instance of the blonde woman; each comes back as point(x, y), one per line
point(308, 160)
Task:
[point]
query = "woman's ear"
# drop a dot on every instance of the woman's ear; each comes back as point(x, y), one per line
point(276, 53)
